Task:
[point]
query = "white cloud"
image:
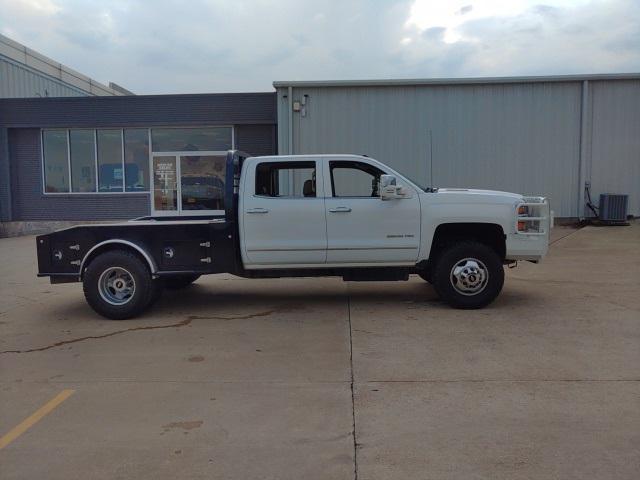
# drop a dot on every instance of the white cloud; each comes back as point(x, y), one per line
point(216, 45)
point(451, 14)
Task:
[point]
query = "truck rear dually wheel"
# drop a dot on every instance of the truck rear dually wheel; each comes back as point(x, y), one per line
point(118, 285)
point(468, 275)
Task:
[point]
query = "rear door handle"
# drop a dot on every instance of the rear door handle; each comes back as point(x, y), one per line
point(257, 210)
point(340, 209)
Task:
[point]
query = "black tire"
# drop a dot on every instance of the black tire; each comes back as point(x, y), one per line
point(468, 275)
point(129, 270)
point(155, 292)
point(176, 282)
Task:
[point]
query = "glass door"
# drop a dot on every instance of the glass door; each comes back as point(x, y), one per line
point(165, 185)
point(202, 184)
point(189, 183)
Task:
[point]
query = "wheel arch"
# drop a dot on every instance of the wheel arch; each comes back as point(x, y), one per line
point(490, 234)
point(115, 244)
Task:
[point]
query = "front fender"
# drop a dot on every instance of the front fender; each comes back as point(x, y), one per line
point(435, 214)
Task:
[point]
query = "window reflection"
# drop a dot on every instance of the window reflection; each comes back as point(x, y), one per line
point(202, 182)
point(83, 163)
point(136, 159)
point(191, 139)
point(110, 172)
point(56, 163)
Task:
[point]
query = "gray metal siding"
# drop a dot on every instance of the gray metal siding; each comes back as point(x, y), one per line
point(515, 137)
point(18, 81)
point(150, 110)
point(615, 146)
point(29, 203)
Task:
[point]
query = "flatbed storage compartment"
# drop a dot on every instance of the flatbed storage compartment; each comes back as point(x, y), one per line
point(167, 246)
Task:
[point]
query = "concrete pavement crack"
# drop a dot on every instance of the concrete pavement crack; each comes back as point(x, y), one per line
point(353, 402)
point(182, 323)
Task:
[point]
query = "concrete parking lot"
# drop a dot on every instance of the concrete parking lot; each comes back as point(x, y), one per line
point(321, 379)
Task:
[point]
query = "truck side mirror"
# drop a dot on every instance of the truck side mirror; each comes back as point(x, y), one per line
point(389, 189)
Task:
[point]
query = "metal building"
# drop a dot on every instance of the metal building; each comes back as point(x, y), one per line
point(534, 135)
point(27, 73)
point(93, 158)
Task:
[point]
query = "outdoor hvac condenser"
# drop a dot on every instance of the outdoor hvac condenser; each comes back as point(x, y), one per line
point(613, 208)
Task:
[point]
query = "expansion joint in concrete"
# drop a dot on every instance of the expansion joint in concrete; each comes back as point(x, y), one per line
point(353, 401)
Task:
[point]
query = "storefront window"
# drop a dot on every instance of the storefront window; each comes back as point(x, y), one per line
point(110, 171)
point(210, 139)
point(136, 159)
point(83, 162)
point(56, 161)
point(113, 160)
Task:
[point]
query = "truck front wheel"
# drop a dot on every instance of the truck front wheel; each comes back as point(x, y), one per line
point(468, 275)
point(118, 285)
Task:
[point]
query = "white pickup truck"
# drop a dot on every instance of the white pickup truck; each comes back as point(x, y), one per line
point(307, 215)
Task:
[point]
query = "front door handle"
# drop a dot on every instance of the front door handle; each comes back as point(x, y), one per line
point(340, 210)
point(257, 210)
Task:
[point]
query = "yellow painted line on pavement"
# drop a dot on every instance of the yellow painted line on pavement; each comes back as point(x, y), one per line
point(34, 418)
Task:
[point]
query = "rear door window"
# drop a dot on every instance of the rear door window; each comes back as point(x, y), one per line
point(286, 179)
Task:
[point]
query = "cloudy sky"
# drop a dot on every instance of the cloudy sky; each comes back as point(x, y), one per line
point(188, 46)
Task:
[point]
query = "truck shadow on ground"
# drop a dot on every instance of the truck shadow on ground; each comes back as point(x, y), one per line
point(396, 295)
point(240, 297)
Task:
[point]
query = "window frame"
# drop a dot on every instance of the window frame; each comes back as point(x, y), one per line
point(333, 186)
point(97, 191)
point(316, 167)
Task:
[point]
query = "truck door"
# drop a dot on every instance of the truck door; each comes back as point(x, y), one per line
point(362, 228)
point(282, 213)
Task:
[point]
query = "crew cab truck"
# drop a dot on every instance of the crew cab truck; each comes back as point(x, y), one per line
point(301, 216)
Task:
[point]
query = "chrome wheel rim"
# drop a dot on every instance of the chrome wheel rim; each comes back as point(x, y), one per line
point(469, 276)
point(116, 286)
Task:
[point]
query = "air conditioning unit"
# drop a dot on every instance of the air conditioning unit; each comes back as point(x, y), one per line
point(613, 208)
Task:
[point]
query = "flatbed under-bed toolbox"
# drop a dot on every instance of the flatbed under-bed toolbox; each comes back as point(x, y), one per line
point(168, 246)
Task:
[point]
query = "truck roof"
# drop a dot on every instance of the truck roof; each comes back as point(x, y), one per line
point(315, 155)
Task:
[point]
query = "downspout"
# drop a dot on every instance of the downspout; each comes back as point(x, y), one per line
point(290, 121)
point(584, 138)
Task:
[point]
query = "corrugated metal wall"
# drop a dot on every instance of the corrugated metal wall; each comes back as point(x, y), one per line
point(522, 137)
point(17, 81)
point(614, 153)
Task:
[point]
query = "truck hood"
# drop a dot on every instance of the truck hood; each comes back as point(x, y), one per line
point(471, 195)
